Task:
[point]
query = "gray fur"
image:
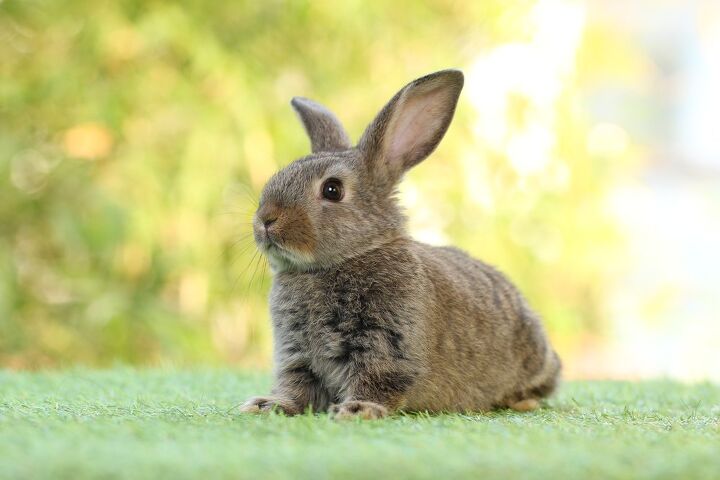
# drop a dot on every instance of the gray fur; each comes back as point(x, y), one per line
point(366, 320)
point(325, 131)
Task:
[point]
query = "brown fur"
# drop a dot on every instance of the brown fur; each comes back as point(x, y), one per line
point(527, 405)
point(366, 320)
point(290, 225)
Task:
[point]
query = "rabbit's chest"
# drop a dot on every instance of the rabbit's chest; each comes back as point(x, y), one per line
point(328, 324)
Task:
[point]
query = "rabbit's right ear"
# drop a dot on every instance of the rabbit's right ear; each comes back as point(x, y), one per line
point(412, 124)
point(324, 129)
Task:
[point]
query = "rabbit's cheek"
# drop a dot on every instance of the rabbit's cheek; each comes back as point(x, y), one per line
point(295, 231)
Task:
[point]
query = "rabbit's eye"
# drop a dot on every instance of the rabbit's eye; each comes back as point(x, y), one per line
point(332, 190)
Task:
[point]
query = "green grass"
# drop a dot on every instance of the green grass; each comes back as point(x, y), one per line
point(124, 423)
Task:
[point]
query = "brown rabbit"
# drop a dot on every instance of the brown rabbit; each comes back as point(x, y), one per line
point(366, 320)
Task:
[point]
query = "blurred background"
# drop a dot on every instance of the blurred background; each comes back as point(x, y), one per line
point(135, 136)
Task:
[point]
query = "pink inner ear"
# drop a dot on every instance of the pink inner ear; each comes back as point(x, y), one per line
point(416, 125)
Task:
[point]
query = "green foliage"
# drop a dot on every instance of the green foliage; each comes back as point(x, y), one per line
point(152, 424)
point(135, 135)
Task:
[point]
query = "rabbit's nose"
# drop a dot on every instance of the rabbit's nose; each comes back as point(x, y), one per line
point(268, 222)
point(267, 215)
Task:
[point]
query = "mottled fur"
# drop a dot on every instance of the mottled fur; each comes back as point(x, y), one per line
point(366, 320)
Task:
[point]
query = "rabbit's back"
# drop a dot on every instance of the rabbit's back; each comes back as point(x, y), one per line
point(488, 348)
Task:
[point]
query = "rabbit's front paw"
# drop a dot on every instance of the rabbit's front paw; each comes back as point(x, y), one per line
point(269, 404)
point(357, 408)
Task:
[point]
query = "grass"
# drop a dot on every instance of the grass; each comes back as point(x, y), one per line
point(124, 423)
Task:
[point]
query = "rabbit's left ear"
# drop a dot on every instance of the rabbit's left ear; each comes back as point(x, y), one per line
point(324, 129)
point(412, 124)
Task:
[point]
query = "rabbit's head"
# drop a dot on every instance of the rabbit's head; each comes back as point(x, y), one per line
point(339, 201)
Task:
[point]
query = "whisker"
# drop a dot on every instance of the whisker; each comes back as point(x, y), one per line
point(244, 236)
point(249, 286)
point(245, 189)
point(252, 259)
point(264, 269)
point(241, 253)
point(248, 213)
point(229, 249)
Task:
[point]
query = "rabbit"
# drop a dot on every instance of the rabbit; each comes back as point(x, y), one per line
point(367, 321)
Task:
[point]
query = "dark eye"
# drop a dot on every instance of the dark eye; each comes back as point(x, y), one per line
point(332, 190)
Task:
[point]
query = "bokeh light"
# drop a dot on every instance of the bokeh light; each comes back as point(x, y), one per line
point(136, 137)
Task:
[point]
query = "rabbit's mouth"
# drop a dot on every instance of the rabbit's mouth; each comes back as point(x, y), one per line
point(271, 245)
point(272, 248)
point(282, 258)
point(284, 239)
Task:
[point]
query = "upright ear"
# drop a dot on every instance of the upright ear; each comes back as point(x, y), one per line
point(412, 124)
point(324, 129)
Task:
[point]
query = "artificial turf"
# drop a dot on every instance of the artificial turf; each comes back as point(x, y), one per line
point(125, 423)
